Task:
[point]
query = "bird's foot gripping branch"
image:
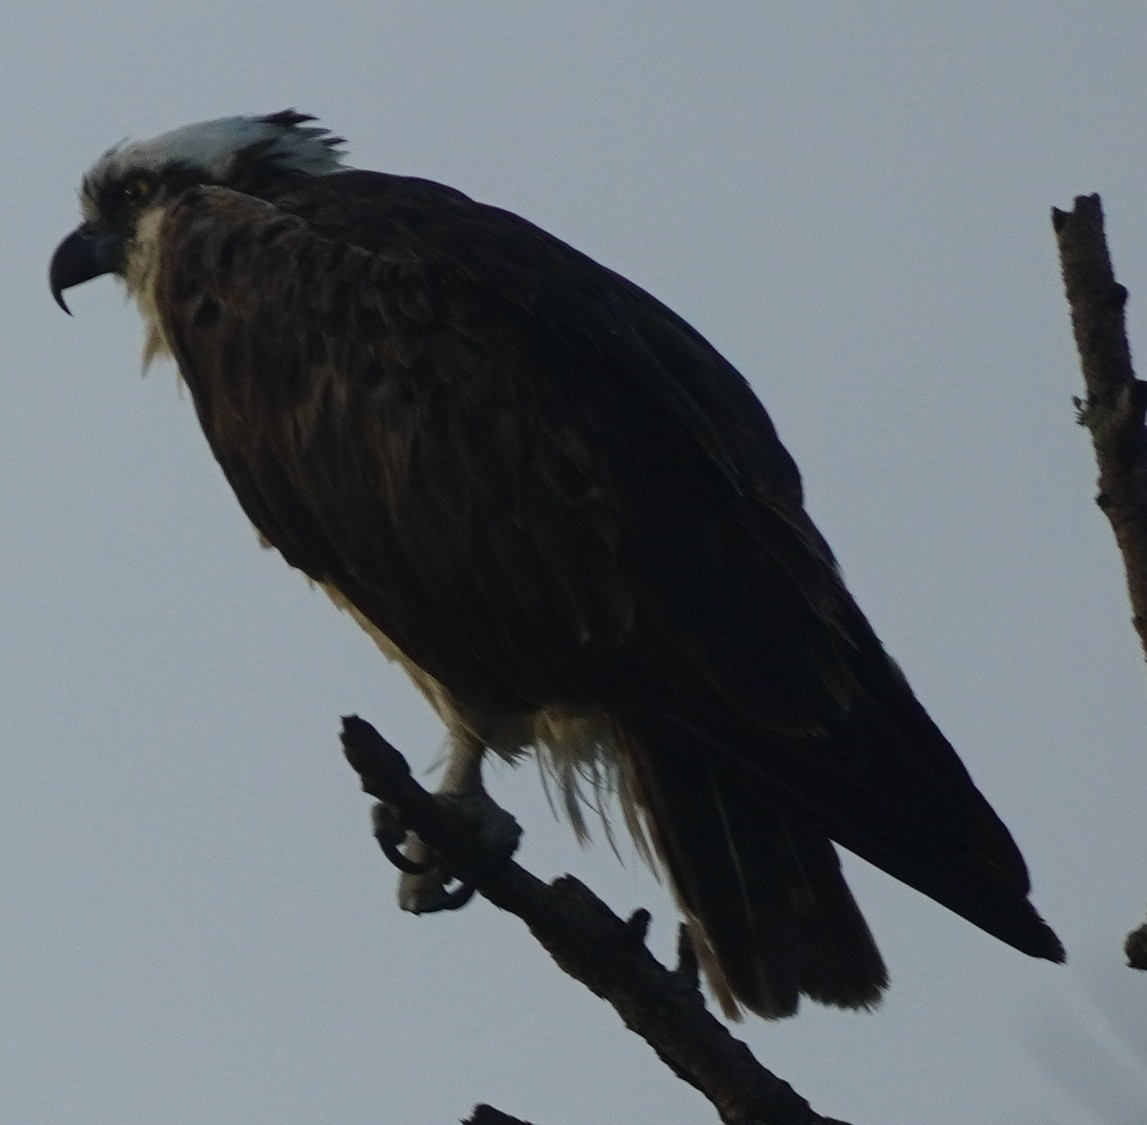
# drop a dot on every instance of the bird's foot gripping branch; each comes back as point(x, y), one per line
point(479, 837)
point(588, 941)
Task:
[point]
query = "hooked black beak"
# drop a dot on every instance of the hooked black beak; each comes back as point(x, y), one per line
point(89, 251)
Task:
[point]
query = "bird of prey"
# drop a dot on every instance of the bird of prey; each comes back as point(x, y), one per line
point(570, 520)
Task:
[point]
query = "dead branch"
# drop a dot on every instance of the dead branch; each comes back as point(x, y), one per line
point(1114, 406)
point(592, 944)
point(1113, 411)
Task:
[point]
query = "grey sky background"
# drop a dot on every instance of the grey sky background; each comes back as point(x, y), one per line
point(851, 201)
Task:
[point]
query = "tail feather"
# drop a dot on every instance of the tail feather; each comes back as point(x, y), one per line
point(770, 914)
point(744, 823)
point(840, 964)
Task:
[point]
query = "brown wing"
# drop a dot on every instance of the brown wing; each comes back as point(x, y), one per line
point(481, 470)
point(546, 488)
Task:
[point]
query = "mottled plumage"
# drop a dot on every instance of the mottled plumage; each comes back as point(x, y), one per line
point(571, 520)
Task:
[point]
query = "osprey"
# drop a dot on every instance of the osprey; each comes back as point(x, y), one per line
point(572, 522)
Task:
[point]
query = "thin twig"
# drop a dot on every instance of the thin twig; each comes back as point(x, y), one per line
point(593, 945)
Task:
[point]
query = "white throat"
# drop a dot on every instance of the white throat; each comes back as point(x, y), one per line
point(141, 271)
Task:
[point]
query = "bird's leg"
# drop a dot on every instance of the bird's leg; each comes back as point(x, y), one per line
point(425, 886)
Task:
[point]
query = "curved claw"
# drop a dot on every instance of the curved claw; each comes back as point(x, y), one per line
point(457, 897)
point(391, 836)
point(399, 859)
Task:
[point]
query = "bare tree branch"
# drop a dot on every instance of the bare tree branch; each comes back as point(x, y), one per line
point(1113, 410)
point(593, 945)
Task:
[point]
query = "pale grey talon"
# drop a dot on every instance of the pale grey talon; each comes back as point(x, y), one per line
point(392, 836)
point(431, 891)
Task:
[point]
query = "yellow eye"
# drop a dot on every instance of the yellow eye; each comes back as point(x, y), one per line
point(138, 188)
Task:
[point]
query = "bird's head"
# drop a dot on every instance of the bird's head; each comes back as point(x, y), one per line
point(133, 179)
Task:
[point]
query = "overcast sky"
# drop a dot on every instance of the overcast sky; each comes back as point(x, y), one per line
point(851, 201)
